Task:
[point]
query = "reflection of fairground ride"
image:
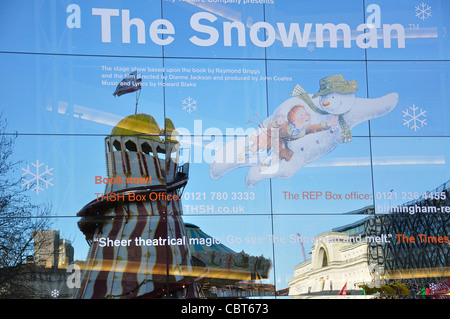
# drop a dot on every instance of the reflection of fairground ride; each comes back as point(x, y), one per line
point(421, 262)
point(230, 273)
point(138, 148)
point(124, 261)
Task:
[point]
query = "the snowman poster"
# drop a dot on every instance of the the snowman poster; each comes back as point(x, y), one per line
point(302, 129)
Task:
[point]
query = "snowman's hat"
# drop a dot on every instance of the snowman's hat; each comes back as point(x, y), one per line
point(336, 83)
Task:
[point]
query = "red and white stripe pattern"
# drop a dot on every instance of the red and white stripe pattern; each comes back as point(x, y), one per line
point(133, 271)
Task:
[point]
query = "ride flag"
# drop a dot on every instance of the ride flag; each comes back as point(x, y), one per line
point(128, 85)
point(343, 290)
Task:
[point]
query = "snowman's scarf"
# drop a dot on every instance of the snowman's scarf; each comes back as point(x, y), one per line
point(346, 133)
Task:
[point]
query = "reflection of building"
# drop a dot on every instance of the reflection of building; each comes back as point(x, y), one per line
point(139, 207)
point(337, 257)
point(425, 261)
point(49, 247)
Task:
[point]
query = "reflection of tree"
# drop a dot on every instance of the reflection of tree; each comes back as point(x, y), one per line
point(18, 219)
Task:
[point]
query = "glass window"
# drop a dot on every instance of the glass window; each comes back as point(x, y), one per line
point(268, 149)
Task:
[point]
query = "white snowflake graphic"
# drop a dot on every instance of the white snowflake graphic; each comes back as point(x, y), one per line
point(416, 118)
point(423, 11)
point(310, 47)
point(54, 293)
point(38, 177)
point(189, 105)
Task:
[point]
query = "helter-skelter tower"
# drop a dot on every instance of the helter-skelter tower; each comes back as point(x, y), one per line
point(137, 238)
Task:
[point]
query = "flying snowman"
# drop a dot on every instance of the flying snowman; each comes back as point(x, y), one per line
point(301, 130)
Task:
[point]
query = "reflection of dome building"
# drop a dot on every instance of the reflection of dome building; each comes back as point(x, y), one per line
point(124, 261)
point(338, 257)
point(138, 148)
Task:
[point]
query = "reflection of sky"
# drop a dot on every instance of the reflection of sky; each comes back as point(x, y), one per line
point(60, 92)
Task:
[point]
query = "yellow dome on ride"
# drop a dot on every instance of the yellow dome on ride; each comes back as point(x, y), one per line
point(171, 132)
point(145, 126)
point(138, 124)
